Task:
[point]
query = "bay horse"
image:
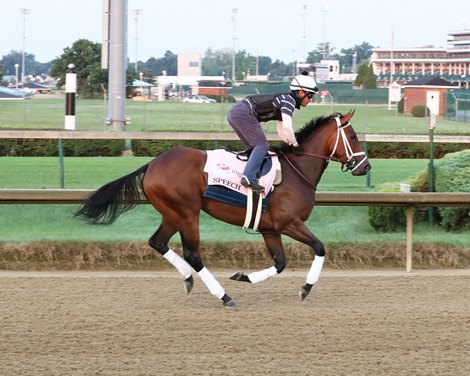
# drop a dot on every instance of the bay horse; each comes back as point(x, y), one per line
point(174, 183)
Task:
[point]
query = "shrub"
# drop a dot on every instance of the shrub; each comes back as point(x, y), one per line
point(49, 148)
point(453, 175)
point(387, 218)
point(150, 148)
point(420, 110)
point(401, 106)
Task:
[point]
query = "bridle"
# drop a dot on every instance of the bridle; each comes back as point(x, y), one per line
point(349, 165)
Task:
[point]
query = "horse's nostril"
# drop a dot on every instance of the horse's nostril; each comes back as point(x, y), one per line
point(367, 167)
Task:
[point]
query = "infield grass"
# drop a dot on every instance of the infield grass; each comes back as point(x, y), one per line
point(173, 115)
point(25, 223)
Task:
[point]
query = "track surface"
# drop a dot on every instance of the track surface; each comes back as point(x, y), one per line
point(383, 322)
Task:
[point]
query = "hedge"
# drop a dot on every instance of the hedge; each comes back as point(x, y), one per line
point(452, 174)
point(91, 148)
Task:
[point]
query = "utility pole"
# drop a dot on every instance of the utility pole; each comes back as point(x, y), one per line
point(137, 13)
point(234, 38)
point(24, 12)
point(114, 49)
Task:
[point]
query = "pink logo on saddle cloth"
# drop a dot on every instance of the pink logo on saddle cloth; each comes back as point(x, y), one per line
point(222, 167)
point(225, 169)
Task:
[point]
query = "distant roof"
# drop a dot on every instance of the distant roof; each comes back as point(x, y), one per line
point(141, 83)
point(430, 81)
point(33, 85)
point(7, 93)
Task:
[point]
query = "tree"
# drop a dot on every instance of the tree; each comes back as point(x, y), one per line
point(365, 76)
point(32, 67)
point(167, 63)
point(323, 51)
point(86, 56)
point(279, 70)
point(363, 53)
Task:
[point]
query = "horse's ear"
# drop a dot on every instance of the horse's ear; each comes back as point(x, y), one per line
point(345, 119)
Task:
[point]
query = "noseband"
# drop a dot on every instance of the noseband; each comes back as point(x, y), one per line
point(350, 163)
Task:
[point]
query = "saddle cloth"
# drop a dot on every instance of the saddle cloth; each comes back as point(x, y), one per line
point(225, 169)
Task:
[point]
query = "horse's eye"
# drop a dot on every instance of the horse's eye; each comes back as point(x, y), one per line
point(354, 136)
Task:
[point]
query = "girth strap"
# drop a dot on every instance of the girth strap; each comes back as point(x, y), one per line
point(253, 210)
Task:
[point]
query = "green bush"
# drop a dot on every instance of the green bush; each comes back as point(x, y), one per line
point(401, 106)
point(414, 150)
point(452, 174)
point(387, 218)
point(50, 148)
point(150, 148)
point(93, 148)
point(420, 110)
point(28, 147)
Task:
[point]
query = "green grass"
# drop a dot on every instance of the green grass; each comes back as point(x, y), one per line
point(24, 223)
point(44, 172)
point(40, 113)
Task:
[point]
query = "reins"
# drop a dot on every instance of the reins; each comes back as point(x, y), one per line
point(299, 172)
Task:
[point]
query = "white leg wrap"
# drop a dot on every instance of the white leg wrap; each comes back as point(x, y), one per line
point(262, 275)
point(212, 284)
point(179, 263)
point(314, 273)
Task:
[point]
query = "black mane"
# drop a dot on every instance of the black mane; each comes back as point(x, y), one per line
point(302, 134)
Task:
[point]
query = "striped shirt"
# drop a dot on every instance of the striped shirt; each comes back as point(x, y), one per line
point(285, 103)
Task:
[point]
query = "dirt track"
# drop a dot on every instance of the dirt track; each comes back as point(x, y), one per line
point(353, 323)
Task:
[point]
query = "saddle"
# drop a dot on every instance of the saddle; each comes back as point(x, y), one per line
point(224, 169)
point(266, 165)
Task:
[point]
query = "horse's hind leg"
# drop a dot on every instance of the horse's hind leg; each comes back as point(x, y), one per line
point(159, 241)
point(273, 242)
point(190, 241)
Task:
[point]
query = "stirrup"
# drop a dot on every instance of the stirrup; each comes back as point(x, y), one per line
point(253, 185)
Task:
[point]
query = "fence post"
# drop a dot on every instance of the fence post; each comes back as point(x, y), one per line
point(70, 90)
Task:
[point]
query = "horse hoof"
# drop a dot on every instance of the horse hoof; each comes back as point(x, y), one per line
point(303, 294)
point(188, 284)
point(239, 276)
point(230, 304)
point(236, 276)
point(304, 291)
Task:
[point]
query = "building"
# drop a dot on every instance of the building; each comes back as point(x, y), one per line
point(326, 71)
point(427, 91)
point(189, 64)
point(406, 64)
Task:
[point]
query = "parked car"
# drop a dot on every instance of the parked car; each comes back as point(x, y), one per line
point(198, 99)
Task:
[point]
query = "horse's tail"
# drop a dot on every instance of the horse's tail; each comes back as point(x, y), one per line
point(107, 203)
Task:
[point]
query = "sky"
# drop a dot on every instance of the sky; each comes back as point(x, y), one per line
point(281, 29)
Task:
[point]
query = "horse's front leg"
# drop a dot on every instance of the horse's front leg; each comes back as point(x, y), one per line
point(298, 231)
point(273, 242)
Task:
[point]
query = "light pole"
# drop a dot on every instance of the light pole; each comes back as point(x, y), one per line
point(304, 16)
point(16, 75)
point(24, 12)
point(137, 13)
point(234, 38)
point(324, 9)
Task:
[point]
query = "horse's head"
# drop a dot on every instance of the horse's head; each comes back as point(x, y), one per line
point(339, 143)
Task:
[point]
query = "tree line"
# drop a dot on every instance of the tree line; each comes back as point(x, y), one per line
point(91, 79)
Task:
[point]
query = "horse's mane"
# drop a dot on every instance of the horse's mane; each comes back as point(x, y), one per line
point(303, 133)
